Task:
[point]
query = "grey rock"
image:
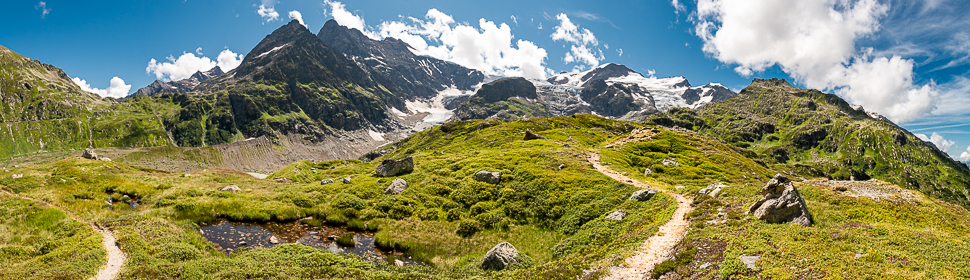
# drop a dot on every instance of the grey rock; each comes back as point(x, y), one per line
point(750, 261)
point(500, 257)
point(488, 177)
point(617, 215)
point(781, 203)
point(397, 186)
point(347, 180)
point(231, 188)
point(713, 189)
point(670, 162)
point(326, 181)
point(643, 195)
point(532, 136)
point(90, 154)
point(398, 263)
point(391, 167)
point(274, 240)
point(647, 171)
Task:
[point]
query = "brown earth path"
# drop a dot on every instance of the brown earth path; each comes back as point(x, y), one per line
point(116, 258)
point(657, 248)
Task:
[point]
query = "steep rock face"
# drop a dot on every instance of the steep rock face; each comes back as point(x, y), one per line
point(180, 86)
point(618, 101)
point(413, 75)
point(504, 99)
point(814, 134)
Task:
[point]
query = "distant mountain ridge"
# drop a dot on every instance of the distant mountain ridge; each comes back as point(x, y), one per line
point(180, 86)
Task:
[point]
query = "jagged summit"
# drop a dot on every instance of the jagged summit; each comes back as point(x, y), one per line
point(180, 86)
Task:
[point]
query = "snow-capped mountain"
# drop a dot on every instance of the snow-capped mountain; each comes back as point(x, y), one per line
point(666, 93)
point(180, 86)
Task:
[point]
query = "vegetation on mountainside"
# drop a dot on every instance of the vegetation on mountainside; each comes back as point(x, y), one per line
point(903, 235)
point(554, 217)
point(503, 99)
point(811, 134)
point(38, 242)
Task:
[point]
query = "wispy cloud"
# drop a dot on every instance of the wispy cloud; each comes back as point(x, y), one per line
point(583, 50)
point(42, 6)
point(267, 11)
point(297, 16)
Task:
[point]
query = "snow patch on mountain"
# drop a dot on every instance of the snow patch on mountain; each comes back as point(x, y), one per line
point(434, 109)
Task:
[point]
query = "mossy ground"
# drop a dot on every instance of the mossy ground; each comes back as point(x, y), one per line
point(852, 238)
point(555, 217)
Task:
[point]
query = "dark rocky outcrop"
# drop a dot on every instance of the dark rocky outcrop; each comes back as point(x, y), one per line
point(391, 167)
point(89, 154)
point(782, 203)
point(500, 257)
point(532, 136)
point(617, 100)
point(503, 99)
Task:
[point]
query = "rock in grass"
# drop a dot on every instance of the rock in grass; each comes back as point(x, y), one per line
point(274, 240)
point(713, 189)
point(231, 188)
point(500, 257)
point(326, 181)
point(347, 180)
point(488, 177)
point(398, 263)
point(532, 136)
point(647, 171)
point(750, 261)
point(643, 195)
point(781, 203)
point(397, 186)
point(391, 168)
point(670, 162)
point(89, 154)
point(617, 215)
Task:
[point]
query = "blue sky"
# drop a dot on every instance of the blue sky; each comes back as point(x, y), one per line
point(907, 60)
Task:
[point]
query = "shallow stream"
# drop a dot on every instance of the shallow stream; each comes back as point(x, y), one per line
point(229, 236)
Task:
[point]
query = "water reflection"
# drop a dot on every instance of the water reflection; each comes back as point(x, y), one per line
point(230, 236)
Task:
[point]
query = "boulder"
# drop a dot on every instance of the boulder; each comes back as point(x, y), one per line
point(326, 181)
point(347, 180)
point(781, 203)
point(670, 162)
point(274, 240)
point(391, 167)
point(647, 171)
point(751, 262)
point(500, 257)
point(488, 177)
point(89, 154)
point(713, 190)
point(532, 136)
point(397, 186)
point(643, 195)
point(231, 188)
point(398, 263)
point(617, 215)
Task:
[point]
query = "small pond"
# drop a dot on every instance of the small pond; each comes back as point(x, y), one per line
point(228, 236)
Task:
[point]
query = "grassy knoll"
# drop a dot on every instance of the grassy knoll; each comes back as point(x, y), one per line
point(907, 235)
point(553, 215)
point(38, 242)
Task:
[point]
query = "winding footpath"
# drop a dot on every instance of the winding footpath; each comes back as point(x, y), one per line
point(658, 247)
point(116, 258)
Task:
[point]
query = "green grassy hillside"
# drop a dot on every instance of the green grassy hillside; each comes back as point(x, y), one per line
point(812, 134)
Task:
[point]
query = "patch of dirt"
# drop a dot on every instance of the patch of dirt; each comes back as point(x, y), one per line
point(874, 189)
point(657, 248)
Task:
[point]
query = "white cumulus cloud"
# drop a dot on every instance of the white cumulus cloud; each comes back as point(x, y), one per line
point(965, 156)
point(267, 11)
point(117, 87)
point(294, 14)
point(583, 49)
point(814, 42)
point(188, 63)
point(938, 140)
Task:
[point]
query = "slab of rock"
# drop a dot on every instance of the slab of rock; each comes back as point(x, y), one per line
point(488, 177)
point(231, 188)
point(347, 180)
point(326, 181)
point(274, 240)
point(643, 195)
point(670, 162)
point(782, 203)
point(750, 261)
point(391, 167)
point(90, 154)
point(713, 189)
point(397, 186)
point(617, 215)
point(500, 257)
point(532, 136)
